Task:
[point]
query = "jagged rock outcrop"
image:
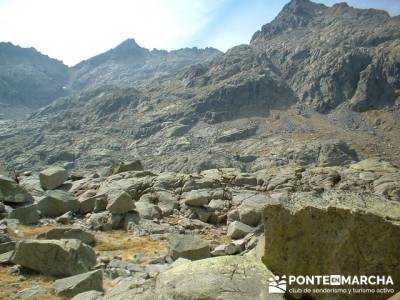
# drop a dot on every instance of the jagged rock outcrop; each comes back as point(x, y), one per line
point(334, 55)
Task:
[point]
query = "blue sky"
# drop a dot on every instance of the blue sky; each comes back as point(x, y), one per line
point(73, 30)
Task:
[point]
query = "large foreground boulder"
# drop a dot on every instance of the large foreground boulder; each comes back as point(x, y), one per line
point(58, 258)
point(345, 234)
point(219, 278)
point(56, 203)
point(11, 192)
point(74, 285)
point(52, 178)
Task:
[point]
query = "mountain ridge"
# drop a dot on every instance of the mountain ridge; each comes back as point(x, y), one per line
point(129, 64)
point(25, 73)
point(30, 80)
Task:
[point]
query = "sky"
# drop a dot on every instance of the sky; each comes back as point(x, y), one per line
point(74, 30)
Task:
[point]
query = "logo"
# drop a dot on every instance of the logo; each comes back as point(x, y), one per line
point(338, 284)
point(277, 285)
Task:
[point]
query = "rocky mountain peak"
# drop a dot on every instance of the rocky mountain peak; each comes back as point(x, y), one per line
point(295, 14)
point(127, 51)
point(128, 44)
point(301, 7)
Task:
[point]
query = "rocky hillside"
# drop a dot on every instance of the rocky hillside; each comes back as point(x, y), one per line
point(335, 55)
point(28, 78)
point(130, 65)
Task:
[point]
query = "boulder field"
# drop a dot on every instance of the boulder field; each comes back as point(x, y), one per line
point(223, 233)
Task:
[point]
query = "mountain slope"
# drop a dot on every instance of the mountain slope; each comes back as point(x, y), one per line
point(334, 55)
point(129, 64)
point(29, 78)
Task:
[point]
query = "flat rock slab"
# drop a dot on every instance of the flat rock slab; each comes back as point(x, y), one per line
point(55, 257)
point(90, 295)
point(31, 293)
point(218, 278)
point(74, 285)
point(235, 134)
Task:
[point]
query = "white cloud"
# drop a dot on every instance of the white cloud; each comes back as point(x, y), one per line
point(73, 30)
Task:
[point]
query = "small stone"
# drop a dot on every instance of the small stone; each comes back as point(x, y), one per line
point(196, 198)
point(65, 218)
point(237, 230)
point(219, 250)
point(188, 246)
point(120, 203)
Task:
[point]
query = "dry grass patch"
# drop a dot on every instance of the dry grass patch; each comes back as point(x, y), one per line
point(125, 245)
point(23, 232)
point(9, 284)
